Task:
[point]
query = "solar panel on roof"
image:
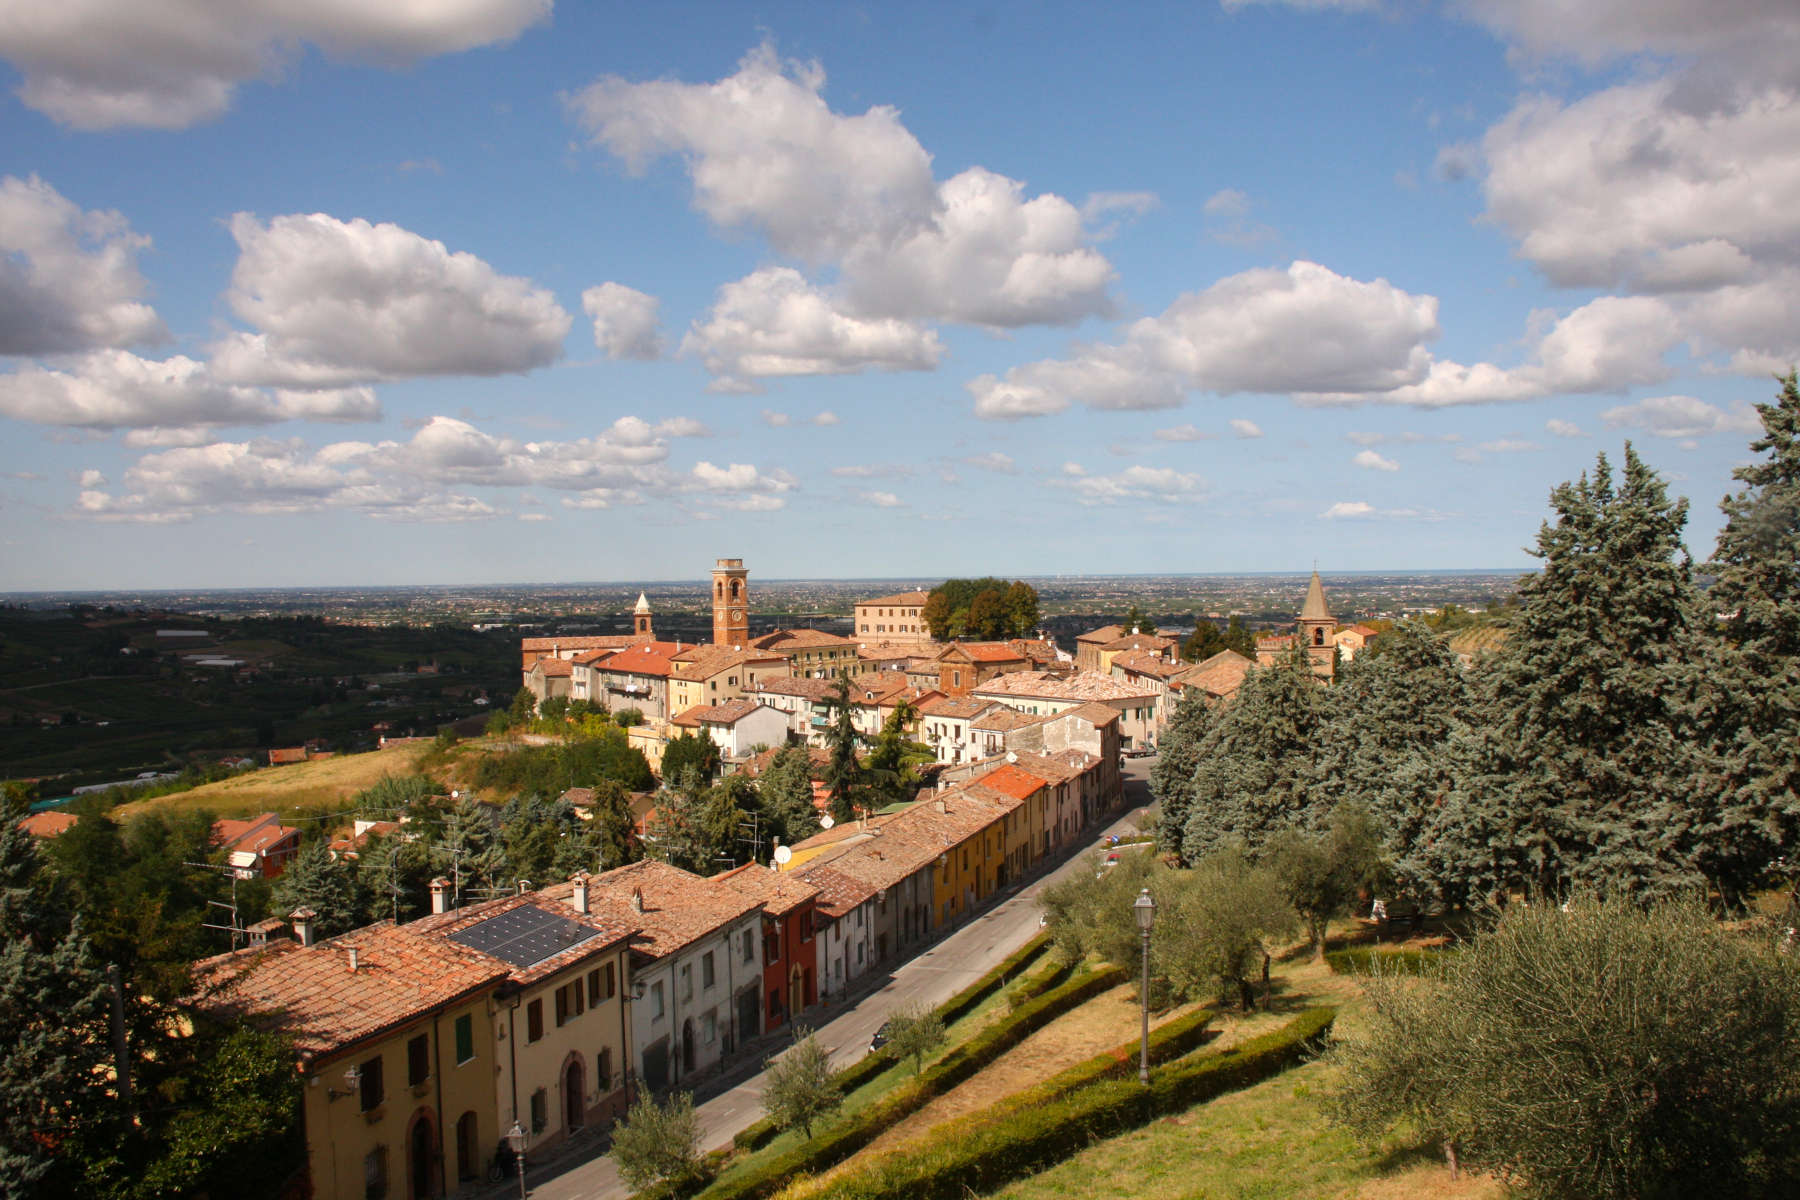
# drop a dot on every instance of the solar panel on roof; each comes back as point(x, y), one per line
point(524, 936)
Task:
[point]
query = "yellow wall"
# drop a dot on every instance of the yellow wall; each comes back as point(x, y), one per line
point(541, 1064)
point(340, 1134)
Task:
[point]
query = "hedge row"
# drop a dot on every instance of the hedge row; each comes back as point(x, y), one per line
point(1367, 960)
point(841, 1141)
point(1168, 1042)
point(866, 1068)
point(980, 1154)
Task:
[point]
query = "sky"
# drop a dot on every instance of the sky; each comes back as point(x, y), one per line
point(466, 291)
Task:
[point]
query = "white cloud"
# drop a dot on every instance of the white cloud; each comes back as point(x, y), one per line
point(1405, 438)
point(1362, 510)
point(1101, 205)
point(1303, 329)
point(774, 323)
point(116, 389)
point(340, 302)
point(873, 471)
point(880, 499)
point(1001, 464)
point(781, 420)
point(92, 479)
point(826, 418)
point(1227, 220)
point(1371, 460)
point(1562, 428)
point(1245, 428)
point(1754, 37)
point(534, 516)
point(624, 321)
point(68, 279)
point(1188, 432)
point(1163, 485)
point(1228, 202)
point(1348, 509)
point(167, 64)
point(765, 152)
point(1680, 417)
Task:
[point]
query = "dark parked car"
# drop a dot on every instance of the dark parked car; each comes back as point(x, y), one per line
point(880, 1039)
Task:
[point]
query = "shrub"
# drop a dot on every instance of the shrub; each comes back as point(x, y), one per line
point(1602, 1050)
point(800, 1090)
point(658, 1144)
point(913, 1032)
point(1368, 960)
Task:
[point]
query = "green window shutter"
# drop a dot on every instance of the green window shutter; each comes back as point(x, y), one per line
point(465, 1038)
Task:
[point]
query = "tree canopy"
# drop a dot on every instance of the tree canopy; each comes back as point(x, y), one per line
point(984, 609)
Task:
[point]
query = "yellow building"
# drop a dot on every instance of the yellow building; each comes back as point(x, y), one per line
point(893, 619)
point(395, 1036)
point(715, 674)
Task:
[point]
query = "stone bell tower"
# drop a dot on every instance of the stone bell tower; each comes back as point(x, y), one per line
point(1317, 630)
point(731, 603)
point(640, 620)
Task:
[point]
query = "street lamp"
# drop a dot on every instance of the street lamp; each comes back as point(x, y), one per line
point(1145, 910)
point(515, 1137)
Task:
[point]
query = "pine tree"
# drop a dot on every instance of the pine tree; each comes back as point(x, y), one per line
point(843, 774)
point(467, 852)
point(1172, 778)
point(1756, 700)
point(1583, 769)
point(614, 828)
point(53, 1035)
point(1254, 764)
point(786, 793)
point(316, 880)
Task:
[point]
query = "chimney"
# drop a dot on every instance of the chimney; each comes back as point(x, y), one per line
point(637, 899)
point(440, 895)
point(303, 924)
point(524, 886)
point(579, 897)
point(351, 951)
point(941, 806)
point(262, 930)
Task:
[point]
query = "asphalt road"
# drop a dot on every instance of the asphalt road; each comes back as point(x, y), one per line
point(931, 978)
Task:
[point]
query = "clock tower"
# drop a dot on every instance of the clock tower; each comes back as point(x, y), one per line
point(731, 600)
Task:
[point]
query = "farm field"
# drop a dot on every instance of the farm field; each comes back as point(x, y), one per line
point(300, 787)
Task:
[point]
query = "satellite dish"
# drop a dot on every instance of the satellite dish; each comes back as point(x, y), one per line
point(825, 822)
point(783, 855)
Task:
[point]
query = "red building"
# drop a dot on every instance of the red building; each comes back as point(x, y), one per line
point(258, 847)
point(790, 944)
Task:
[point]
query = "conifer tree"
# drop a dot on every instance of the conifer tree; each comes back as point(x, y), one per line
point(316, 880)
point(467, 851)
point(53, 1035)
point(787, 797)
point(1255, 763)
point(615, 831)
point(843, 774)
point(1583, 769)
point(1755, 707)
point(1172, 778)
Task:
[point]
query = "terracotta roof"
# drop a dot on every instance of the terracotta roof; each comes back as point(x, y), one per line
point(647, 658)
point(801, 639)
point(1147, 662)
point(254, 835)
point(1053, 770)
point(838, 892)
point(879, 690)
point(703, 662)
point(954, 707)
point(1041, 685)
point(610, 926)
point(48, 824)
point(897, 600)
point(1093, 714)
point(287, 754)
point(1277, 641)
point(986, 652)
point(679, 908)
point(1219, 675)
point(1105, 633)
point(311, 994)
point(816, 757)
point(1004, 720)
point(887, 651)
point(1035, 650)
point(779, 894)
point(1365, 630)
point(1140, 641)
point(797, 685)
point(1010, 779)
point(550, 667)
point(611, 641)
point(728, 713)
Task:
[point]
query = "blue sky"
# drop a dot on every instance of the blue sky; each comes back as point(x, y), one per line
point(487, 291)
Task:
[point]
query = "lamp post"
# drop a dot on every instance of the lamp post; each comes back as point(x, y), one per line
point(1145, 910)
point(515, 1137)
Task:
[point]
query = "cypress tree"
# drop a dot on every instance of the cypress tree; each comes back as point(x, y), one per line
point(1172, 778)
point(1583, 770)
point(1756, 701)
point(843, 774)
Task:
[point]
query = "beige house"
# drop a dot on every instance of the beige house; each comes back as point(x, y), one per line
point(715, 674)
point(559, 1023)
point(893, 619)
point(1041, 693)
point(813, 654)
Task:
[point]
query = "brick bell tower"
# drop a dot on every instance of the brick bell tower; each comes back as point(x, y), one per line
point(641, 620)
point(731, 603)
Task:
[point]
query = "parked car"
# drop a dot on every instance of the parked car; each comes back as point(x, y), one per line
point(880, 1039)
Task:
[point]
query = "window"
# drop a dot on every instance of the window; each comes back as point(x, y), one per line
point(563, 1011)
point(418, 1060)
point(806, 927)
point(375, 1179)
point(687, 981)
point(465, 1038)
point(373, 1093)
point(859, 954)
point(709, 1029)
point(656, 1001)
point(540, 1110)
point(749, 947)
point(603, 1070)
point(534, 1020)
point(708, 973)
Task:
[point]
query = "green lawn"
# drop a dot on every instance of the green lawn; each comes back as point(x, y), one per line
point(1268, 1142)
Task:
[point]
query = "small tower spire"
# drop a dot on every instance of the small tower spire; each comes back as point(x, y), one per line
point(640, 620)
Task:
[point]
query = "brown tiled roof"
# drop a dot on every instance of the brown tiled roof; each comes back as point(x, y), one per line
point(838, 892)
point(778, 893)
point(611, 641)
point(679, 908)
point(897, 600)
point(1054, 770)
point(48, 824)
point(649, 658)
point(311, 994)
point(954, 707)
point(1105, 633)
point(801, 639)
point(1004, 720)
point(1010, 779)
point(985, 652)
point(728, 713)
point(887, 651)
point(1365, 630)
point(1147, 662)
point(1041, 685)
point(878, 690)
point(816, 757)
point(1093, 714)
point(287, 754)
point(1034, 650)
point(1219, 675)
point(1140, 641)
point(798, 685)
point(256, 834)
point(550, 667)
point(703, 662)
point(611, 927)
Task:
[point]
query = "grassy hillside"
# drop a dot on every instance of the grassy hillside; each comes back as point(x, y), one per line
point(298, 788)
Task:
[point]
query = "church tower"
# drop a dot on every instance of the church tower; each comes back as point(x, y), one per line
point(1317, 629)
point(731, 599)
point(640, 620)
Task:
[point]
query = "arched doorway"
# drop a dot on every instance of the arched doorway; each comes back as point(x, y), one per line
point(574, 1095)
point(421, 1157)
point(796, 998)
point(687, 1046)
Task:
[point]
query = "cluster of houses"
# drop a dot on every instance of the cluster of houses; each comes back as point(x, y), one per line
point(422, 1044)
